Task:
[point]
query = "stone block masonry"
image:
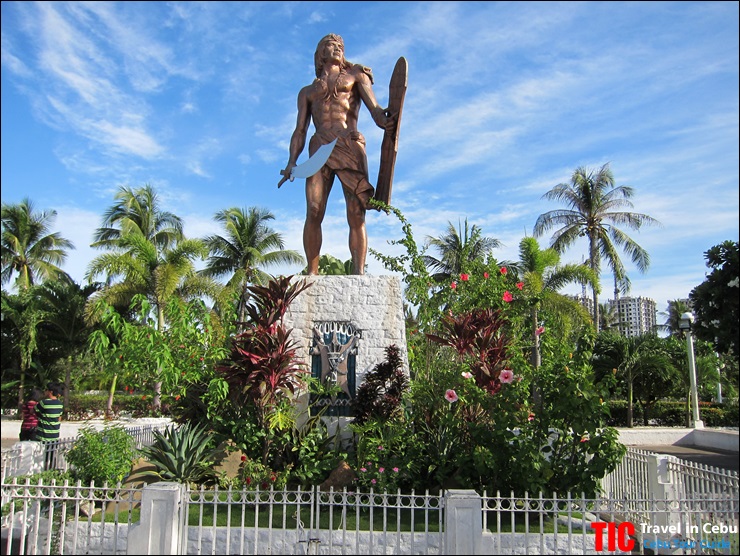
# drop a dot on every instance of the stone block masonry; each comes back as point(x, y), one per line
point(372, 304)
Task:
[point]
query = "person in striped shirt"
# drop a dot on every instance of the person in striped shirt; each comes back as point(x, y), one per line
point(49, 413)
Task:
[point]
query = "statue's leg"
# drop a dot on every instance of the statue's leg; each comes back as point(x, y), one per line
point(318, 187)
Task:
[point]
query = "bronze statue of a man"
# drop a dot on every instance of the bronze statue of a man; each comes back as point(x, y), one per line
point(332, 102)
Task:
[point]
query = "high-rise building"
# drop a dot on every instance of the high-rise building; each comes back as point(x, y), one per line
point(637, 315)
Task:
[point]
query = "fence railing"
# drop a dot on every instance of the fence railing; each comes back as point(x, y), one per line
point(169, 518)
point(668, 505)
point(25, 458)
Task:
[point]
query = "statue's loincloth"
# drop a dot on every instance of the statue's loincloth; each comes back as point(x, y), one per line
point(348, 161)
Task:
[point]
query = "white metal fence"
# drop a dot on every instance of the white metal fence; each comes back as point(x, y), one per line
point(671, 506)
point(32, 457)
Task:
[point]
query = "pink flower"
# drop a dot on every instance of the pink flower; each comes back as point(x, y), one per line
point(453, 285)
point(451, 396)
point(380, 470)
point(539, 331)
point(508, 297)
point(520, 285)
point(503, 270)
point(466, 374)
point(373, 481)
point(464, 277)
point(485, 275)
point(380, 448)
point(363, 469)
point(395, 469)
point(506, 376)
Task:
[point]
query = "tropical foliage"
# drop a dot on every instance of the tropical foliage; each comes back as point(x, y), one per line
point(592, 200)
point(30, 252)
point(248, 247)
point(185, 454)
point(483, 336)
point(715, 301)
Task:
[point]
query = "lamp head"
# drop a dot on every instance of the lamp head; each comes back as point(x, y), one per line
point(687, 319)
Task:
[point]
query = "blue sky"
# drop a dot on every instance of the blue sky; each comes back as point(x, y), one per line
point(505, 100)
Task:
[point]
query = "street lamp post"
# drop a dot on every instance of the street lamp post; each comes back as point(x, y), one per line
point(685, 324)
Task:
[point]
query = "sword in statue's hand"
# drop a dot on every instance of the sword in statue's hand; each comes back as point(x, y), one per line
point(311, 166)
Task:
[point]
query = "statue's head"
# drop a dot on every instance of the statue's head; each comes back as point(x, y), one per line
point(318, 57)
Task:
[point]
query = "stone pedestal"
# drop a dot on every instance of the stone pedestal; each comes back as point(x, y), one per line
point(370, 304)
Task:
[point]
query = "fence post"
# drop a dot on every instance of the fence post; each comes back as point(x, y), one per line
point(463, 522)
point(664, 490)
point(159, 529)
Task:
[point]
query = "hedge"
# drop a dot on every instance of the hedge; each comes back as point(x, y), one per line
point(673, 414)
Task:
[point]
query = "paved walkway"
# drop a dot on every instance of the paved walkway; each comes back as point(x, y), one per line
point(715, 458)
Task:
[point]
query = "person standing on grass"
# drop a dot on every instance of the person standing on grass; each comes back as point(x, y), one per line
point(30, 420)
point(49, 413)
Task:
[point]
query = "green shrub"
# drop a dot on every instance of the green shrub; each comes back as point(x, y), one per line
point(672, 413)
point(105, 456)
point(80, 407)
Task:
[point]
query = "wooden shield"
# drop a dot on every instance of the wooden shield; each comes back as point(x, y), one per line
point(389, 148)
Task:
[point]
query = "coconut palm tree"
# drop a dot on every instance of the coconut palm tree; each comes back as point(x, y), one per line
point(138, 210)
point(456, 247)
point(148, 254)
point(543, 277)
point(593, 202)
point(676, 308)
point(29, 250)
point(248, 246)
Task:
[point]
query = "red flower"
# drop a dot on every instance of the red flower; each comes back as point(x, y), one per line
point(485, 275)
point(508, 297)
point(464, 277)
point(143, 397)
point(177, 397)
point(244, 458)
point(520, 285)
point(453, 285)
point(503, 270)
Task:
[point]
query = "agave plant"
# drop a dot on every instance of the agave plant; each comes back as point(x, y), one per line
point(184, 454)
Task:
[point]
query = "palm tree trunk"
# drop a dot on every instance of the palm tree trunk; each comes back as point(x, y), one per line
point(594, 260)
point(629, 400)
point(109, 405)
point(67, 382)
point(536, 360)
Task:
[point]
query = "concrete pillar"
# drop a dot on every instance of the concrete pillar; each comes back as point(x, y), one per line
point(159, 529)
point(463, 522)
point(665, 491)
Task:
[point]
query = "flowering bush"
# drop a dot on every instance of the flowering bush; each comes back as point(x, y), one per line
point(254, 475)
point(376, 476)
point(473, 421)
